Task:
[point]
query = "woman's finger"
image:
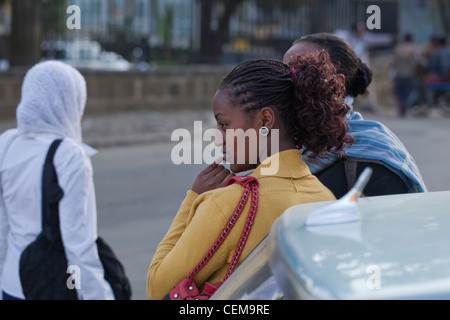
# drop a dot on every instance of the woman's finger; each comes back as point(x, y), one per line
point(227, 178)
point(211, 167)
point(223, 174)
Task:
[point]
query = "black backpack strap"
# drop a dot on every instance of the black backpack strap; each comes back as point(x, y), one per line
point(350, 172)
point(51, 152)
point(51, 195)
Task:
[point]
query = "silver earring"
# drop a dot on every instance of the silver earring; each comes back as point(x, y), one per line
point(264, 131)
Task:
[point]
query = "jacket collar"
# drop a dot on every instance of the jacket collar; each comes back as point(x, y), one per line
point(286, 164)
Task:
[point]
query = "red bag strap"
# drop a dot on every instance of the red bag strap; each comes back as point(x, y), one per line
point(250, 185)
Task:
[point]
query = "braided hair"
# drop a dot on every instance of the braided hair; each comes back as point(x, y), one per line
point(305, 94)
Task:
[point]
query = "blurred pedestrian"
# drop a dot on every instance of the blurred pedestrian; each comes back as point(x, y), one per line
point(439, 63)
point(375, 145)
point(437, 78)
point(286, 105)
point(362, 42)
point(404, 64)
point(430, 48)
point(51, 107)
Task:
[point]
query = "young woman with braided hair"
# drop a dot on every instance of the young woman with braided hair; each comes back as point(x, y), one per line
point(286, 106)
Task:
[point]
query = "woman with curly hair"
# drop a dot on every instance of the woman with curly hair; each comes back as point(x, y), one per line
point(286, 106)
point(375, 146)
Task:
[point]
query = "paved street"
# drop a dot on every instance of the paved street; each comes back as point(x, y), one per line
point(428, 141)
point(139, 189)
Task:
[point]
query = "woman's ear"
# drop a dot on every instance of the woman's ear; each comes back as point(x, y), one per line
point(267, 117)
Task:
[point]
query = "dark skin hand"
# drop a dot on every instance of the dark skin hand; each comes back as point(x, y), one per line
point(212, 177)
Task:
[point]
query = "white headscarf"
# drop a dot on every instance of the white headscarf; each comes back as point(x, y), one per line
point(53, 101)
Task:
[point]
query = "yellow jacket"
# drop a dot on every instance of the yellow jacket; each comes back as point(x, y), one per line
point(201, 218)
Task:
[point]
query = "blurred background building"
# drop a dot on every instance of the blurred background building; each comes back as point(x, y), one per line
point(201, 31)
point(143, 39)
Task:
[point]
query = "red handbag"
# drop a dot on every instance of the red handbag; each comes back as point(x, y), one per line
point(186, 289)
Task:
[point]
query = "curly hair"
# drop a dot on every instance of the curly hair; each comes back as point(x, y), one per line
point(305, 94)
point(358, 75)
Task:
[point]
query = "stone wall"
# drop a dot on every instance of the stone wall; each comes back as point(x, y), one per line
point(168, 89)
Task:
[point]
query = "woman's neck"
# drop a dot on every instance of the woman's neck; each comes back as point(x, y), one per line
point(282, 145)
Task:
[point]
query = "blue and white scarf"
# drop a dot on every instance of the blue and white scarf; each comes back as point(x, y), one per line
point(373, 142)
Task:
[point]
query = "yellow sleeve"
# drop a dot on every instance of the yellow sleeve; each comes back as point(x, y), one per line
point(194, 230)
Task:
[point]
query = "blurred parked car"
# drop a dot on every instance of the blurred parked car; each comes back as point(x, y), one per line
point(389, 247)
point(84, 54)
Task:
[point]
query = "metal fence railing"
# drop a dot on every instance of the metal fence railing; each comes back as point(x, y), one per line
point(257, 33)
point(180, 31)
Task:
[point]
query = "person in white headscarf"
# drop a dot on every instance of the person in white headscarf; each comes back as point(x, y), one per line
point(52, 104)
